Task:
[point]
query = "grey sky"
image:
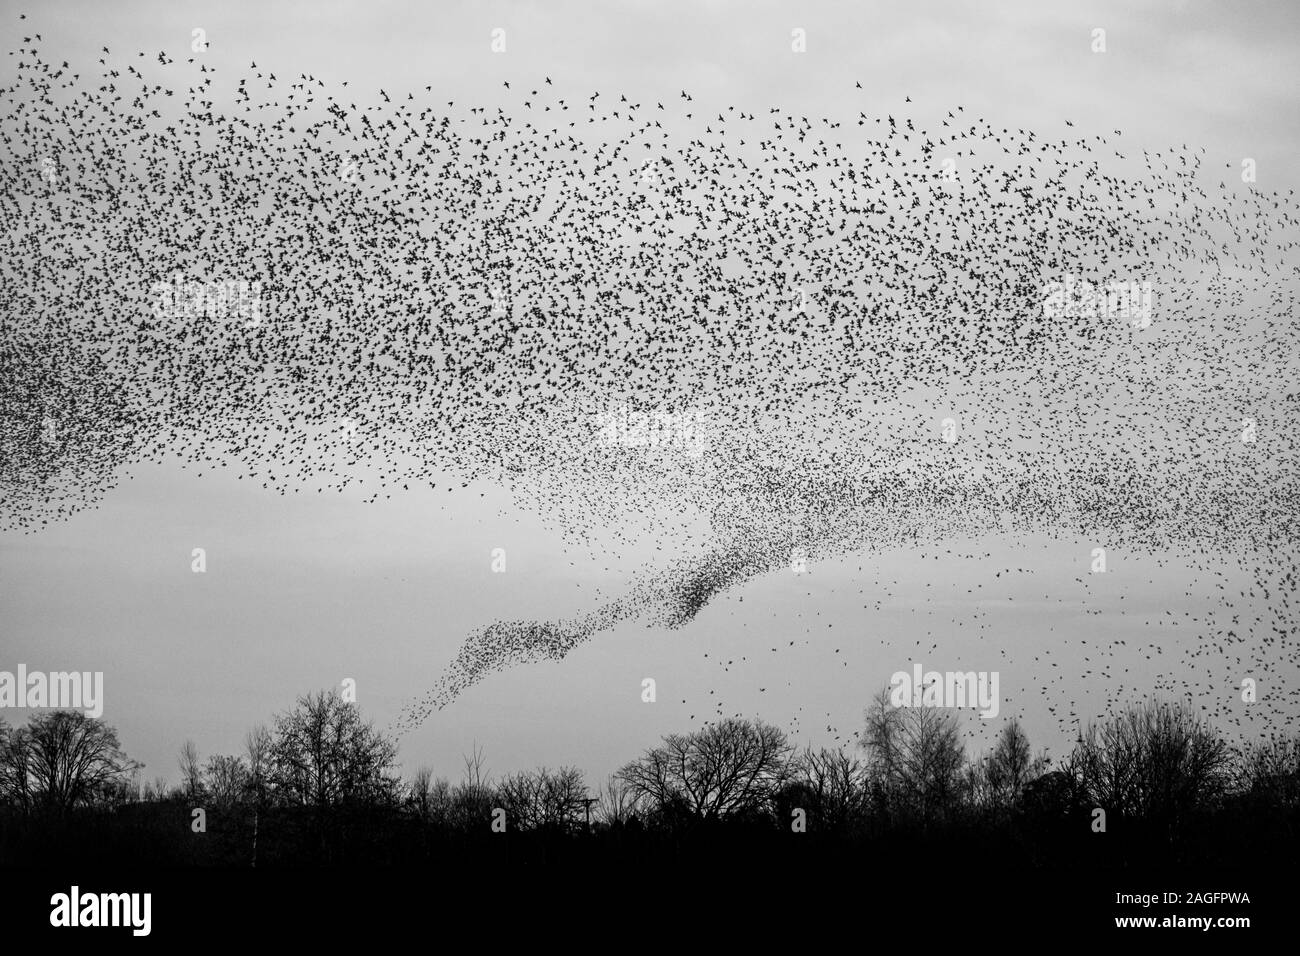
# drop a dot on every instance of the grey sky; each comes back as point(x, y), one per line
point(302, 592)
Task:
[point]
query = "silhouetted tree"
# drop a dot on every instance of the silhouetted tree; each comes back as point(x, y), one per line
point(1270, 770)
point(321, 787)
point(420, 793)
point(543, 800)
point(191, 771)
point(616, 803)
point(323, 755)
point(914, 757)
point(154, 791)
point(62, 760)
point(225, 780)
point(257, 748)
point(15, 768)
point(470, 803)
point(998, 780)
point(730, 768)
point(1154, 761)
point(830, 785)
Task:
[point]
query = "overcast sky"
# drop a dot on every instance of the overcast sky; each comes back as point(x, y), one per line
point(303, 592)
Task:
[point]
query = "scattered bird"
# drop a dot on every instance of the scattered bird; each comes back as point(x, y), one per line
point(630, 325)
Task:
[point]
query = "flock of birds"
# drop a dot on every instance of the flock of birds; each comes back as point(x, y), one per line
point(852, 308)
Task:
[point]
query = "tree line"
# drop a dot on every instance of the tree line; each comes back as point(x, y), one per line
point(321, 785)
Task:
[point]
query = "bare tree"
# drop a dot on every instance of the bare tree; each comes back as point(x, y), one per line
point(191, 770)
point(469, 804)
point(257, 748)
point(474, 770)
point(63, 759)
point(543, 800)
point(729, 768)
point(16, 783)
point(257, 751)
point(324, 755)
point(999, 779)
point(225, 779)
point(1154, 760)
point(440, 800)
point(914, 756)
point(1271, 769)
point(615, 803)
point(420, 793)
point(831, 785)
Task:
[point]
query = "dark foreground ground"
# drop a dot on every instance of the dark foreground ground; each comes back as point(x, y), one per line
point(362, 881)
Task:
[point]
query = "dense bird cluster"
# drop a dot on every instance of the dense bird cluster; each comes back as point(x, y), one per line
point(851, 310)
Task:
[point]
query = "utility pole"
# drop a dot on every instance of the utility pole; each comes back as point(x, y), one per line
point(586, 806)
